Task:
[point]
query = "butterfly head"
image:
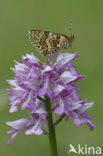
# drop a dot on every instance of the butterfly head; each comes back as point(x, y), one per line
point(71, 39)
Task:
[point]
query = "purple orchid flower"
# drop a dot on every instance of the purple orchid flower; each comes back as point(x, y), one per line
point(34, 81)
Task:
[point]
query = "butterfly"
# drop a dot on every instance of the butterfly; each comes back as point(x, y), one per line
point(48, 42)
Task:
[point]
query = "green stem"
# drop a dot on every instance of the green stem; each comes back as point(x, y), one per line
point(52, 138)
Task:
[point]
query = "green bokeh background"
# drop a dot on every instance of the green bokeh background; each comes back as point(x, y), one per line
point(16, 18)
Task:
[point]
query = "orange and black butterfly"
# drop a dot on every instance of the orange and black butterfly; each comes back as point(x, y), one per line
point(48, 42)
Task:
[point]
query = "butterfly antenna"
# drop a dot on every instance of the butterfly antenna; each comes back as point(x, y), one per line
point(71, 35)
point(70, 28)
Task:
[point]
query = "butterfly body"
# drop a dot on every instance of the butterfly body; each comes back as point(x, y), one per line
point(49, 42)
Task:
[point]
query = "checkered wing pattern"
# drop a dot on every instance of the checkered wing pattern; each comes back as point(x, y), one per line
point(48, 42)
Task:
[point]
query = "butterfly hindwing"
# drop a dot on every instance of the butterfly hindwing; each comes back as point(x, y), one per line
point(48, 42)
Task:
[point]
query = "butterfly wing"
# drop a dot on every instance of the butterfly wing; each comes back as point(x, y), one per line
point(47, 42)
point(38, 37)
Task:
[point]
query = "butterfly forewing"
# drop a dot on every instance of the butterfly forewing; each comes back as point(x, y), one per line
point(48, 42)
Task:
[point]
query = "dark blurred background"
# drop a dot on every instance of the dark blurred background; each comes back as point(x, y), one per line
point(16, 18)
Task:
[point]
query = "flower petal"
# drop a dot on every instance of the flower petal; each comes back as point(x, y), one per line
point(60, 108)
point(18, 124)
point(86, 106)
point(36, 129)
point(58, 90)
point(67, 77)
point(63, 59)
point(12, 138)
point(78, 122)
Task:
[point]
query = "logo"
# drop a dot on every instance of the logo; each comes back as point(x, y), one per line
point(85, 149)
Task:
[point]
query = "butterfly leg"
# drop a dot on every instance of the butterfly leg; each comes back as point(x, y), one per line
point(72, 49)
